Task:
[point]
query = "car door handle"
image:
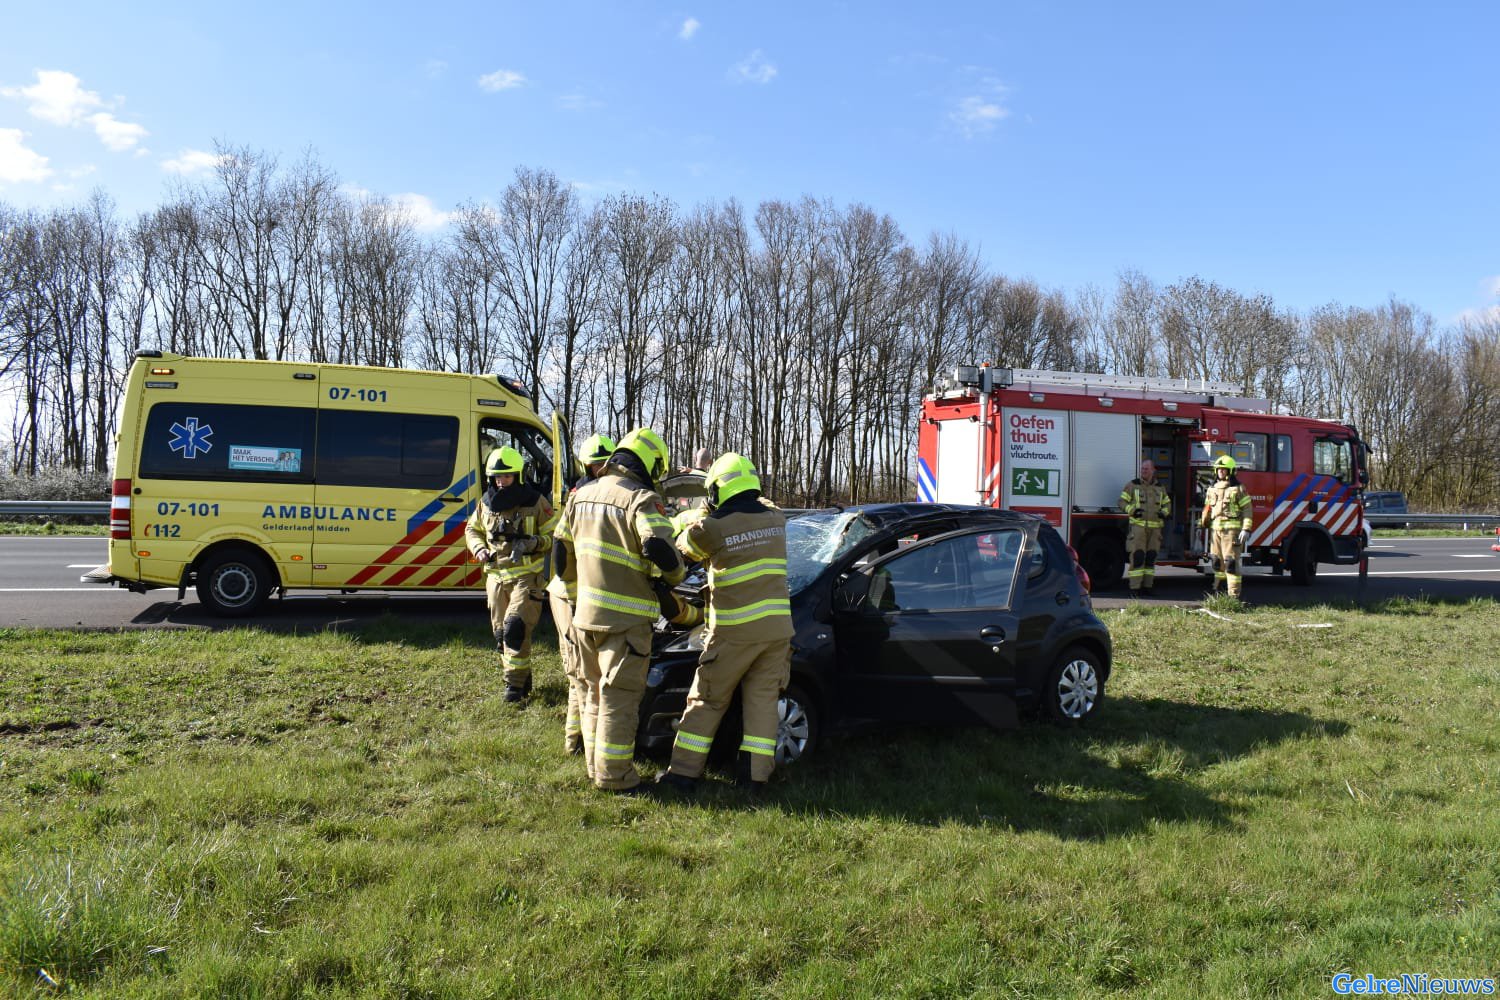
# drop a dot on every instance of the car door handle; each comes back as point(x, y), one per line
point(1062, 597)
point(446, 499)
point(992, 634)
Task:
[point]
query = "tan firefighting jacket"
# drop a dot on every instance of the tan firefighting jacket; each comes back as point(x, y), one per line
point(496, 530)
point(608, 524)
point(1228, 506)
point(1147, 503)
point(746, 557)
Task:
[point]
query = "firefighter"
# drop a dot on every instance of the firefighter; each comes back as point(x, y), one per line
point(748, 643)
point(509, 533)
point(562, 592)
point(1148, 506)
point(1227, 508)
point(618, 541)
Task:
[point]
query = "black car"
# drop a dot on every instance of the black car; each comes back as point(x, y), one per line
point(927, 613)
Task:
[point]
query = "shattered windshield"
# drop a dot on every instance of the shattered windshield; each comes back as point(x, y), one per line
point(815, 540)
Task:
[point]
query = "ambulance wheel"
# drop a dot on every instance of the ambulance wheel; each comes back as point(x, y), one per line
point(234, 583)
point(1302, 560)
point(1103, 559)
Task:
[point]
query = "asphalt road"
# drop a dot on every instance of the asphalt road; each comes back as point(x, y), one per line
point(39, 587)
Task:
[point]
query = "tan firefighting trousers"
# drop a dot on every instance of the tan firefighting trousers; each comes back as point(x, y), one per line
point(562, 618)
point(520, 599)
point(1224, 548)
point(760, 670)
point(1142, 546)
point(614, 665)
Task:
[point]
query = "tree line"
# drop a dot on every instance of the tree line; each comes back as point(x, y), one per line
point(801, 333)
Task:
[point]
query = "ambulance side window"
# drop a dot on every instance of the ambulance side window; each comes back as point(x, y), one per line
point(414, 451)
point(537, 448)
point(228, 442)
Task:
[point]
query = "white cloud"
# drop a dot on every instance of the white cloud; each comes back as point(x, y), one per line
point(421, 211)
point(579, 102)
point(689, 29)
point(191, 161)
point(976, 115)
point(115, 134)
point(19, 165)
point(501, 79)
point(1492, 286)
point(436, 68)
point(56, 97)
point(754, 68)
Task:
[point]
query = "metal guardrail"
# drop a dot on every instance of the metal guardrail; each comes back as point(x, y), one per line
point(1419, 520)
point(55, 508)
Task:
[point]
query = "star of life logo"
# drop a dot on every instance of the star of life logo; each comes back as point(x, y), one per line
point(190, 438)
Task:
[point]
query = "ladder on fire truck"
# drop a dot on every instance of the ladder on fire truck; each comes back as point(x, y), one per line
point(1206, 392)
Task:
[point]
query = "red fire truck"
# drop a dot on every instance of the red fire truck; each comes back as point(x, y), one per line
point(1062, 445)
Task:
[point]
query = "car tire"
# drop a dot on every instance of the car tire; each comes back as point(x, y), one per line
point(798, 725)
point(1302, 560)
point(1075, 687)
point(1103, 559)
point(234, 583)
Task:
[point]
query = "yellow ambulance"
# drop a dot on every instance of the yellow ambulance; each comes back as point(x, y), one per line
point(247, 478)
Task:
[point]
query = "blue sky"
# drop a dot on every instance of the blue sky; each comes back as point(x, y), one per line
point(1316, 152)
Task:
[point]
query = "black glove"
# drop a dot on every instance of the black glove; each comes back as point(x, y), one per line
point(1135, 512)
point(524, 545)
point(666, 600)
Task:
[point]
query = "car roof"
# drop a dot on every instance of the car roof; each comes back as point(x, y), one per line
point(892, 515)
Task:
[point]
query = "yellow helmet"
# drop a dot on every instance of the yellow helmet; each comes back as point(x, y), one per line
point(730, 475)
point(647, 445)
point(1224, 462)
point(503, 461)
point(596, 449)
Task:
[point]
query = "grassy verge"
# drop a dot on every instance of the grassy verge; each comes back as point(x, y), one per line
point(52, 528)
point(1270, 797)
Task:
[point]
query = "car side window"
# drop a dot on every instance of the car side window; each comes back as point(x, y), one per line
point(969, 571)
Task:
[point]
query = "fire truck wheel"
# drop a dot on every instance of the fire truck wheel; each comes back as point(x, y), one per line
point(1302, 560)
point(1103, 558)
point(234, 583)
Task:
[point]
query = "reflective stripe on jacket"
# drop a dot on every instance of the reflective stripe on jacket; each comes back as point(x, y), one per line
point(607, 525)
point(1228, 506)
point(488, 529)
point(746, 556)
point(1153, 503)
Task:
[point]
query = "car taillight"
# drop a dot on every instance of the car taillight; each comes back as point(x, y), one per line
point(1080, 572)
point(119, 511)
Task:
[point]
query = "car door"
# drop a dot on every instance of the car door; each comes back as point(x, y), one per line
point(928, 633)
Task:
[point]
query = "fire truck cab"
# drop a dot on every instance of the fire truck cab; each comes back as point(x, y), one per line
point(1062, 445)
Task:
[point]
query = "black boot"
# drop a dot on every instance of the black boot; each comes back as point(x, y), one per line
point(677, 782)
point(518, 692)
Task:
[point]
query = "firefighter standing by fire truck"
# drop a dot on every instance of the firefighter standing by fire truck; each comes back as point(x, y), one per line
point(748, 643)
point(1227, 513)
point(1148, 505)
point(562, 593)
point(509, 533)
point(618, 539)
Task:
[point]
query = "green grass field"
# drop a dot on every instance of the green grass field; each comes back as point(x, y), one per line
point(1266, 800)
